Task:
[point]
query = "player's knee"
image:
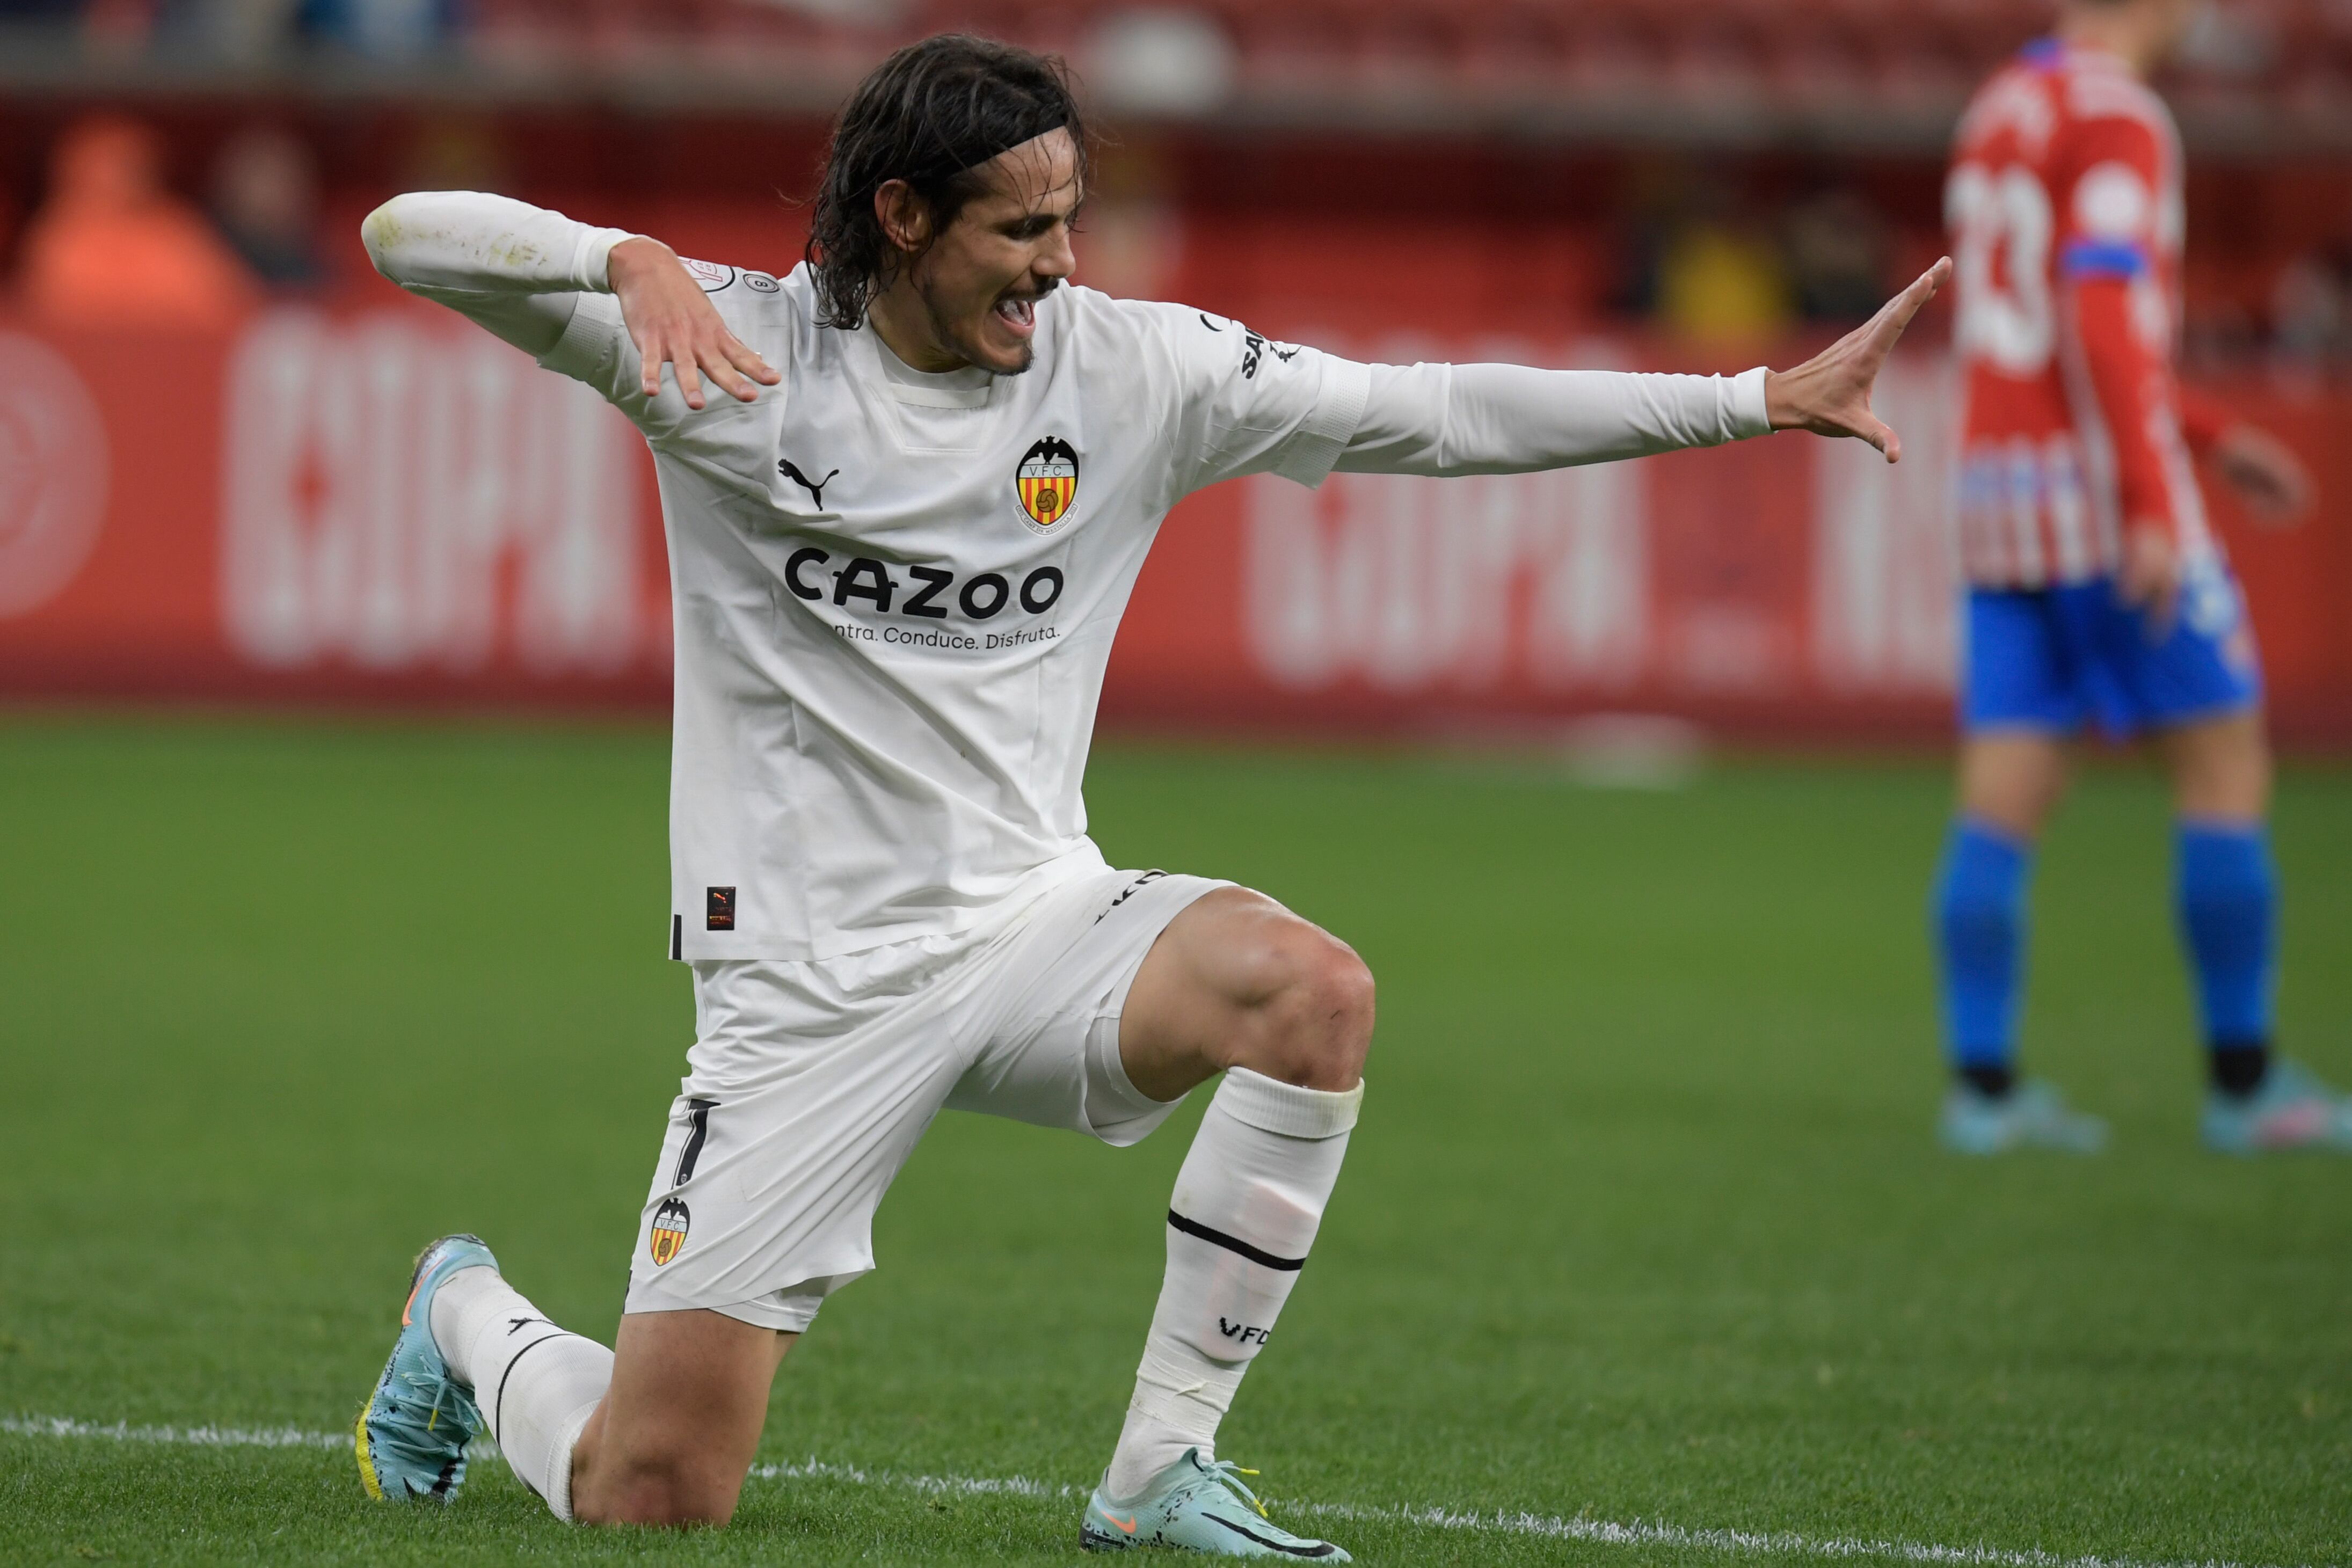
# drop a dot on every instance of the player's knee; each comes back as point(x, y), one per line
point(1316, 1024)
point(662, 1489)
point(2019, 806)
point(2011, 785)
point(671, 1503)
point(2224, 771)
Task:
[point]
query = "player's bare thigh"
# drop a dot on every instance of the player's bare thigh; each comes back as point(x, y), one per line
point(2012, 779)
point(1236, 980)
point(677, 1432)
point(2221, 767)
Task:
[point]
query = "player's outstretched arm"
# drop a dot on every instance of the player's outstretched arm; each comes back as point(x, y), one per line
point(520, 270)
point(515, 269)
point(1829, 394)
point(1453, 420)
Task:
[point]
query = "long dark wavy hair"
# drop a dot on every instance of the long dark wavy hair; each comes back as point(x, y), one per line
point(930, 115)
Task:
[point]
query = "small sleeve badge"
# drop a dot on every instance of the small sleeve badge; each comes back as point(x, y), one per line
point(1047, 481)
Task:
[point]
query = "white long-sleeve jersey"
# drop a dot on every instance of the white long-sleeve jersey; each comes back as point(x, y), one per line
point(894, 593)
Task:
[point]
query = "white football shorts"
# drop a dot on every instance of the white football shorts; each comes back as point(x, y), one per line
point(810, 1083)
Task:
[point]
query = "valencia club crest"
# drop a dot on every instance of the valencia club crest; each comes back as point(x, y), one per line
point(671, 1222)
point(1047, 481)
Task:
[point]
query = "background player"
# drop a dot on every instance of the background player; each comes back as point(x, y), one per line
point(2097, 590)
point(899, 551)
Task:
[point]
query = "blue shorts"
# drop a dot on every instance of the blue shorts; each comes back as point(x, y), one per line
point(2051, 658)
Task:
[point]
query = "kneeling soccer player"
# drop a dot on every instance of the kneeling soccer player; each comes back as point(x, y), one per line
point(897, 559)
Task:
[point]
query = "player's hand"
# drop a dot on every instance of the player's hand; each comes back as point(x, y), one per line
point(2266, 473)
point(673, 322)
point(2151, 573)
point(1829, 394)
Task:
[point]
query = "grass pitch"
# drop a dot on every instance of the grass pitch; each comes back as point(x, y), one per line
point(1643, 1221)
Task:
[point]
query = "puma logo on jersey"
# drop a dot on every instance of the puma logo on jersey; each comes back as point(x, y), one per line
point(815, 487)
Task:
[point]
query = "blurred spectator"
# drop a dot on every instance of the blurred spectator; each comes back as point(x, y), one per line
point(266, 201)
point(1837, 247)
point(244, 31)
point(455, 152)
point(1698, 269)
point(1131, 238)
point(111, 27)
point(113, 248)
point(1720, 283)
point(2219, 335)
point(2311, 311)
point(118, 26)
point(380, 29)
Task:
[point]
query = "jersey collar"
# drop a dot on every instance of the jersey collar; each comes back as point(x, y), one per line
point(970, 387)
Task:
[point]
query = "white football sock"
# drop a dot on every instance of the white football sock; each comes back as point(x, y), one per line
point(535, 1384)
point(1248, 1201)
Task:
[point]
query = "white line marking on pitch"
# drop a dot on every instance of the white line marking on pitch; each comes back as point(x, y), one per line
point(1598, 1532)
point(198, 1436)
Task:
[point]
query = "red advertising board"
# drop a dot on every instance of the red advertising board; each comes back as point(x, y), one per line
point(383, 504)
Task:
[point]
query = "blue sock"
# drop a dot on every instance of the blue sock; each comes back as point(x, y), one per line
point(1981, 930)
point(2227, 891)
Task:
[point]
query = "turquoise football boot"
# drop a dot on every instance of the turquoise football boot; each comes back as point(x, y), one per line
point(412, 1433)
point(2032, 1115)
point(2289, 1108)
point(1197, 1505)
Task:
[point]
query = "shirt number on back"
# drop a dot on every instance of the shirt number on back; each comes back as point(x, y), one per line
point(2002, 228)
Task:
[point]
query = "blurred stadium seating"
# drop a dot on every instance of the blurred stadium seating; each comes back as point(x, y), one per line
point(1695, 185)
point(2269, 75)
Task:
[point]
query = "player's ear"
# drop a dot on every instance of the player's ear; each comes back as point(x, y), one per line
point(905, 216)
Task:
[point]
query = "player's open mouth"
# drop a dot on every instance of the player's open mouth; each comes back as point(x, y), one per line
point(1018, 311)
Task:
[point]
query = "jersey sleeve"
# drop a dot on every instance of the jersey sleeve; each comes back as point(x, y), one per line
point(514, 269)
point(2110, 210)
point(596, 350)
point(2203, 419)
point(1448, 420)
point(542, 282)
point(1245, 403)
